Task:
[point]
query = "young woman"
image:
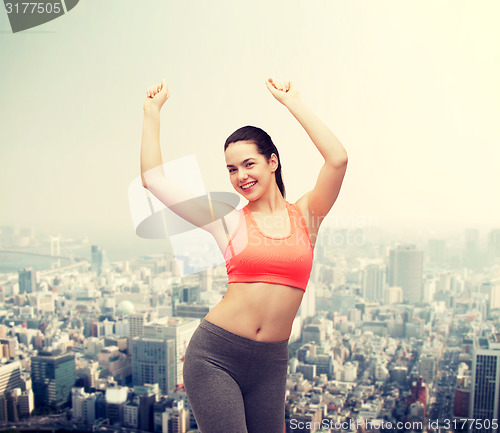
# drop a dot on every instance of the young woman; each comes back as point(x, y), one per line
point(235, 366)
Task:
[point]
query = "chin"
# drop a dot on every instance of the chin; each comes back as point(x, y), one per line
point(250, 196)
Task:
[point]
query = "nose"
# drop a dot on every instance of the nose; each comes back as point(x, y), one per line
point(242, 176)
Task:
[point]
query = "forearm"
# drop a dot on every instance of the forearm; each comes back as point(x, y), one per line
point(150, 144)
point(327, 143)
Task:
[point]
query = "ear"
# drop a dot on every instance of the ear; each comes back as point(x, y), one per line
point(273, 162)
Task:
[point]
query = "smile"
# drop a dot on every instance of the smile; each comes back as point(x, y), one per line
point(248, 185)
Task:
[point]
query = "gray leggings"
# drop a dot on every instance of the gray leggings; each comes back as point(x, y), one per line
point(235, 384)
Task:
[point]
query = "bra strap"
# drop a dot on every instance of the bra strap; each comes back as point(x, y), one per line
point(300, 221)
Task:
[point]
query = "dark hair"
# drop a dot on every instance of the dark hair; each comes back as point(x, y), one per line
point(265, 147)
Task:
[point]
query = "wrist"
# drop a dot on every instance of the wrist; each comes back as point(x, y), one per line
point(151, 110)
point(294, 103)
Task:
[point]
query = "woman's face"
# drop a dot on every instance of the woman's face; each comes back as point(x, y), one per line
point(250, 173)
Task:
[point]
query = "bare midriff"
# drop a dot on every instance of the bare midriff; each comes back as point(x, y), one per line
point(259, 311)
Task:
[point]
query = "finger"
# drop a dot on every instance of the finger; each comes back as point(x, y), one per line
point(270, 85)
point(164, 86)
point(274, 91)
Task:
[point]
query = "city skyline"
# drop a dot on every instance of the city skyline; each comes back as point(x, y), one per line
point(38, 246)
point(360, 347)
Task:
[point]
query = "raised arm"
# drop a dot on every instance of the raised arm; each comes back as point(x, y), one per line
point(150, 145)
point(199, 211)
point(321, 198)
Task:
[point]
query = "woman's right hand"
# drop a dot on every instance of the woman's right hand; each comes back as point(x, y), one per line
point(156, 96)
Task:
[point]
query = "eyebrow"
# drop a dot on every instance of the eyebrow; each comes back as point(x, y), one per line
point(243, 162)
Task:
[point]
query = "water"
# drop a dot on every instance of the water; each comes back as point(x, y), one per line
point(116, 251)
point(13, 262)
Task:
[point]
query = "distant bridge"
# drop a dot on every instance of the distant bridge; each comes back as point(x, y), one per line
point(30, 253)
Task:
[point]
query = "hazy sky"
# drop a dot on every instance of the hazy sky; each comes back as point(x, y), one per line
point(411, 88)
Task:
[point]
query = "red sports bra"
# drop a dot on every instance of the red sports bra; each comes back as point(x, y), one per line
point(252, 256)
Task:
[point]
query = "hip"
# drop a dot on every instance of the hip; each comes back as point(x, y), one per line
point(218, 345)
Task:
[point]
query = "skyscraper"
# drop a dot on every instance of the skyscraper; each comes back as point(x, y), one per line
point(153, 361)
point(99, 259)
point(136, 323)
point(374, 282)
point(494, 243)
point(53, 375)
point(10, 376)
point(485, 392)
point(146, 411)
point(406, 271)
point(181, 330)
point(27, 280)
point(472, 254)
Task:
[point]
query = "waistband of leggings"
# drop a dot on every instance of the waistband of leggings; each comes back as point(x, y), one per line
point(244, 341)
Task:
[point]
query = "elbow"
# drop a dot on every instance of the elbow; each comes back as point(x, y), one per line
point(152, 177)
point(344, 160)
point(339, 161)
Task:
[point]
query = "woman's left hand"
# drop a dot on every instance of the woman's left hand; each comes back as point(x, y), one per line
point(284, 91)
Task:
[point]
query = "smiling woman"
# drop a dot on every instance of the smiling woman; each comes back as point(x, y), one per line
point(235, 365)
point(250, 140)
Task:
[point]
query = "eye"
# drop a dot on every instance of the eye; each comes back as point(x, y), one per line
point(232, 170)
point(250, 164)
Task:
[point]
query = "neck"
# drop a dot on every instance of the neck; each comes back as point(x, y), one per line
point(269, 203)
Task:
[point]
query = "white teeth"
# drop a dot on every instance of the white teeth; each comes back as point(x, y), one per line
point(249, 185)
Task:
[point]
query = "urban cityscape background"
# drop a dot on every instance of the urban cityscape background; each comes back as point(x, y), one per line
point(401, 335)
